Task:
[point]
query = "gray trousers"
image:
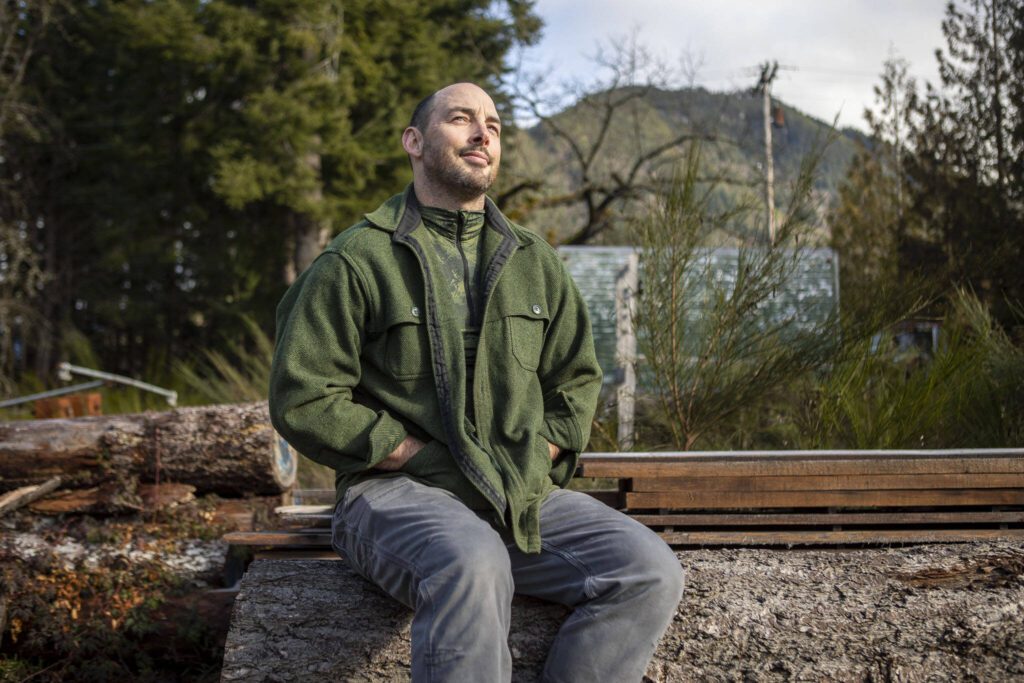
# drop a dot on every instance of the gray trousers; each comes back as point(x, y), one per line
point(429, 551)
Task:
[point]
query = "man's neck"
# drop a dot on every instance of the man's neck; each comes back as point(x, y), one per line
point(429, 195)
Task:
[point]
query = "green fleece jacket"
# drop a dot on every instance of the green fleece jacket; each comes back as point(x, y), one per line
point(367, 353)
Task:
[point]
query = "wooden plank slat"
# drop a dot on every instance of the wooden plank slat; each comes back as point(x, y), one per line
point(883, 537)
point(802, 499)
point(315, 538)
point(774, 519)
point(610, 497)
point(292, 554)
point(833, 483)
point(823, 454)
point(304, 510)
point(829, 518)
point(808, 467)
point(310, 543)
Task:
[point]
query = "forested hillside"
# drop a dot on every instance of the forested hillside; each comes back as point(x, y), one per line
point(728, 126)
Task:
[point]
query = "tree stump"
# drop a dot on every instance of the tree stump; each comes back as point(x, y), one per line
point(225, 449)
point(937, 612)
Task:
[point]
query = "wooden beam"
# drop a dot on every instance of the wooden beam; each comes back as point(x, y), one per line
point(829, 518)
point(306, 545)
point(626, 287)
point(824, 454)
point(315, 538)
point(711, 500)
point(790, 467)
point(279, 554)
point(864, 536)
point(833, 482)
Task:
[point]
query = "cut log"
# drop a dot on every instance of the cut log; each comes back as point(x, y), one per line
point(940, 612)
point(230, 450)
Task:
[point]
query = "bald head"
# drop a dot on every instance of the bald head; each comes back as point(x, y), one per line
point(421, 114)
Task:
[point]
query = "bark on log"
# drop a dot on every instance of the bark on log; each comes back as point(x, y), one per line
point(939, 612)
point(226, 449)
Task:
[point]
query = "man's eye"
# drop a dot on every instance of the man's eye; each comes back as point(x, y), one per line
point(495, 130)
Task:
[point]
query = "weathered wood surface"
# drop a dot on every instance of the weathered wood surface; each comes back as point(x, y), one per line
point(802, 463)
point(728, 500)
point(939, 612)
point(109, 498)
point(319, 537)
point(12, 500)
point(115, 497)
point(225, 449)
point(319, 516)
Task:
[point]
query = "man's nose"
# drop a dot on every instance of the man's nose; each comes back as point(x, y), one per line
point(481, 136)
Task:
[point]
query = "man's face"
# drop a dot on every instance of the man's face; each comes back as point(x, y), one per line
point(462, 142)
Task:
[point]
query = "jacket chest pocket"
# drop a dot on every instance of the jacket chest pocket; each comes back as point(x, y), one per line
point(407, 346)
point(526, 328)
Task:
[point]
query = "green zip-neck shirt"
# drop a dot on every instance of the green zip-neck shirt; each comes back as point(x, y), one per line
point(455, 241)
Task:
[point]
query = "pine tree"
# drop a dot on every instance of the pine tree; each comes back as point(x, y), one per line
point(965, 171)
point(870, 223)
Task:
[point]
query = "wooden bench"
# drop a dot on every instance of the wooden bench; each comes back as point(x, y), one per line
point(715, 498)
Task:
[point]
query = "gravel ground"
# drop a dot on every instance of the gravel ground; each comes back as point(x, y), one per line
point(920, 613)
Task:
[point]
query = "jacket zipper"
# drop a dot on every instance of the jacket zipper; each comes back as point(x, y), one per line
point(460, 227)
point(444, 397)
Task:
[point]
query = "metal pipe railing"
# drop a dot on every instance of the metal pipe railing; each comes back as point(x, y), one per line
point(65, 370)
point(75, 388)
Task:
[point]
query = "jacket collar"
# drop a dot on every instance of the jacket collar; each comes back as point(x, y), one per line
point(401, 215)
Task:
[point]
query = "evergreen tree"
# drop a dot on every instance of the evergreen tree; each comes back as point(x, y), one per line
point(940, 191)
point(203, 150)
point(965, 172)
point(871, 223)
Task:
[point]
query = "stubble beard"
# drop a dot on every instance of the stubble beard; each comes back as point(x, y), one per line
point(448, 174)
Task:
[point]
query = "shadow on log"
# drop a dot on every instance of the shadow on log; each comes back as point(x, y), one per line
point(938, 612)
point(230, 450)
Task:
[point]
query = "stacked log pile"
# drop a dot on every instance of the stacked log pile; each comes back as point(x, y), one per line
point(120, 463)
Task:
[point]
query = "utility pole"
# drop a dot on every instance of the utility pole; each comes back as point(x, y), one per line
point(764, 85)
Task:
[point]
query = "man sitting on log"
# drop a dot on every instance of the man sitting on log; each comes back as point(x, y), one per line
point(439, 358)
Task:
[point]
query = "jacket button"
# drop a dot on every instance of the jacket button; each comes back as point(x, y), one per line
point(536, 309)
point(415, 311)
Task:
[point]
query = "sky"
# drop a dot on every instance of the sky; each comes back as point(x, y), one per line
point(830, 52)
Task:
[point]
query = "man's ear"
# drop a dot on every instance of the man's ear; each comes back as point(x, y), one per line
point(412, 141)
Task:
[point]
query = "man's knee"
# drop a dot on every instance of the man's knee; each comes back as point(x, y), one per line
point(649, 568)
point(668, 575)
